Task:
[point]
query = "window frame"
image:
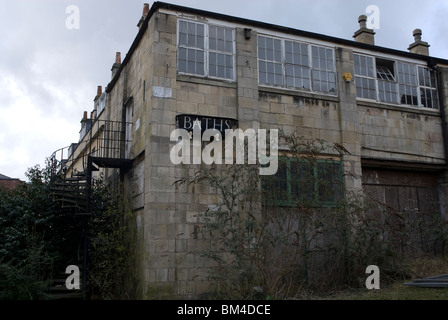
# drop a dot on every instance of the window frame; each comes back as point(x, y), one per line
point(275, 62)
point(102, 103)
point(207, 51)
point(310, 66)
point(407, 85)
point(433, 89)
point(320, 70)
point(368, 77)
point(315, 201)
point(382, 83)
point(398, 83)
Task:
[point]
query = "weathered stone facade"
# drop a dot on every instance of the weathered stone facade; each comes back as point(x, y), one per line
point(148, 91)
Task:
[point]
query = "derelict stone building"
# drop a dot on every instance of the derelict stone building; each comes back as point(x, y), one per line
point(385, 107)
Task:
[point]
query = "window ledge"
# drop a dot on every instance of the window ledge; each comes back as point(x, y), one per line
point(292, 92)
point(207, 81)
point(409, 109)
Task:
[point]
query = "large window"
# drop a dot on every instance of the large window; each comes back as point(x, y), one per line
point(270, 64)
point(387, 85)
point(299, 182)
point(296, 65)
point(324, 77)
point(407, 79)
point(428, 88)
point(206, 50)
point(395, 82)
point(365, 77)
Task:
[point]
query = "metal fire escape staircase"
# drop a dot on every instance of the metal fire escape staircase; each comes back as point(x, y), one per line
point(72, 192)
point(104, 145)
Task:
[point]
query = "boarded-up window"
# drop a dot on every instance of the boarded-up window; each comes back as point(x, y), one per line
point(406, 203)
point(402, 190)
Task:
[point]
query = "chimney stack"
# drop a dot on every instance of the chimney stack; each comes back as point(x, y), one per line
point(364, 34)
point(99, 92)
point(117, 64)
point(86, 124)
point(118, 58)
point(419, 46)
point(144, 15)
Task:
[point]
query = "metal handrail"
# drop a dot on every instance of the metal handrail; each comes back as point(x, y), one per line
point(105, 139)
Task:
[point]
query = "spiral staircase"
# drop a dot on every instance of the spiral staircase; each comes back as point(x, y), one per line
point(102, 146)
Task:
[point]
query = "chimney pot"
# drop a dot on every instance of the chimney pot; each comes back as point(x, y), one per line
point(419, 46)
point(362, 20)
point(84, 117)
point(118, 57)
point(117, 64)
point(145, 9)
point(99, 91)
point(144, 15)
point(364, 34)
point(417, 33)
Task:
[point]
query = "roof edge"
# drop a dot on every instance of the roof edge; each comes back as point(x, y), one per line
point(219, 16)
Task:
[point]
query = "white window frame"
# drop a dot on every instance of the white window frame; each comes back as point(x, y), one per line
point(391, 82)
point(101, 103)
point(207, 50)
point(281, 63)
point(397, 82)
point(416, 85)
point(323, 70)
point(310, 66)
point(367, 76)
point(424, 87)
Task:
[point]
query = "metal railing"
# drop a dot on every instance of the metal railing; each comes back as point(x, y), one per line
point(105, 139)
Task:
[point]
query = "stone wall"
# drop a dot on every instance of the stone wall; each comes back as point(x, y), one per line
point(168, 214)
point(401, 134)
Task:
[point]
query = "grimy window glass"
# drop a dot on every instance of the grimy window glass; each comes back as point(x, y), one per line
point(407, 79)
point(191, 56)
point(297, 69)
point(387, 86)
point(324, 77)
point(206, 50)
point(290, 64)
point(364, 77)
point(221, 52)
point(302, 182)
point(270, 67)
point(395, 82)
point(428, 88)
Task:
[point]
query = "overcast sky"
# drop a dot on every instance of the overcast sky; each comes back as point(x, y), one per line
point(49, 73)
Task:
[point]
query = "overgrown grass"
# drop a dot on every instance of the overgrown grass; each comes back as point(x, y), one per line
point(396, 291)
point(415, 268)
